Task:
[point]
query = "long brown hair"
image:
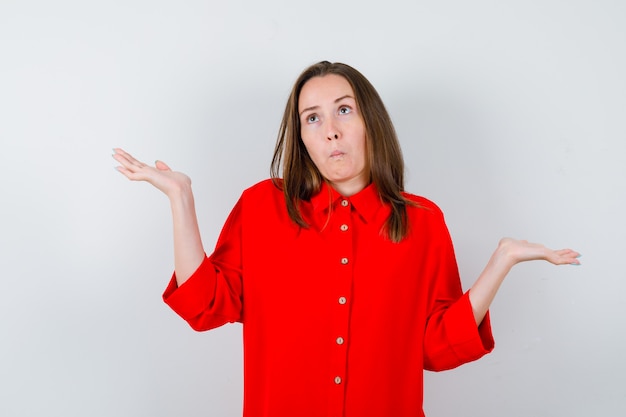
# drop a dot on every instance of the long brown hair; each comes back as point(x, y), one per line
point(301, 178)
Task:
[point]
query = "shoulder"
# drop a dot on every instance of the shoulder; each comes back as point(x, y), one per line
point(263, 206)
point(264, 195)
point(422, 205)
point(266, 187)
point(426, 218)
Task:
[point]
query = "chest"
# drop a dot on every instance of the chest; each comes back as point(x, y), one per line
point(342, 257)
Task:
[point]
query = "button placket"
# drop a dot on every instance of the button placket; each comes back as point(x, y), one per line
point(342, 227)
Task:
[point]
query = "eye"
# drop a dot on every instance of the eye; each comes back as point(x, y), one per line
point(345, 110)
point(312, 118)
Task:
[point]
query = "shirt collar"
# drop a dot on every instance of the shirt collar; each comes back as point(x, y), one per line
point(366, 202)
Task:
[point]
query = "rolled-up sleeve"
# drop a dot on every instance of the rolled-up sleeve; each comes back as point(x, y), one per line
point(212, 296)
point(451, 337)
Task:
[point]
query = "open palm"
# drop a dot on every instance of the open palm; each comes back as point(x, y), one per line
point(160, 175)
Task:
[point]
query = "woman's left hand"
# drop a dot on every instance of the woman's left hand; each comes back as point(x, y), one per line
point(522, 250)
point(511, 252)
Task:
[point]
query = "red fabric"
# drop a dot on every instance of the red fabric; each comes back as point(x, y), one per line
point(398, 308)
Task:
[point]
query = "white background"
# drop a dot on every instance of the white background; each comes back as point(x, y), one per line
point(511, 115)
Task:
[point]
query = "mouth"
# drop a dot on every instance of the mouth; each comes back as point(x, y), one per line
point(337, 154)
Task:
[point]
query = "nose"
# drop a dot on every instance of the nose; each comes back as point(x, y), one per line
point(333, 132)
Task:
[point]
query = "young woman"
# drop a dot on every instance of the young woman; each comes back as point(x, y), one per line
point(346, 285)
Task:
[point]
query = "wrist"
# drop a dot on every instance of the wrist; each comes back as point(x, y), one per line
point(505, 253)
point(181, 196)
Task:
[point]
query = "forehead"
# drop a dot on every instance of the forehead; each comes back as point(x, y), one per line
point(321, 90)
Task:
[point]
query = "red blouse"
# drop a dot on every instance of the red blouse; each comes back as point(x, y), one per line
point(338, 321)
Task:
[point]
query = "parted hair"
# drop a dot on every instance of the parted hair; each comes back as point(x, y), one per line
point(300, 177)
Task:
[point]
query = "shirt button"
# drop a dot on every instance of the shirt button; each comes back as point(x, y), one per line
point(344, 261)
point(337, 380)
point(342, 300)
point(344, 227)
point(344, 203)
point(340, 340)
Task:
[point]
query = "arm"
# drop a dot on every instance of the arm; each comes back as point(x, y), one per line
point(509, 253)
point(458, 327)
point(188, 250)
point(451, 336)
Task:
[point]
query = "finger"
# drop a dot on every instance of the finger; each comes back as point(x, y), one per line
point(121, 156)
point(132, 175)
point(119, 152)
point(567, 256)
point(124, 172)
point(126, 159)
point(568, 253)
point(127, 164)
point(162, 166)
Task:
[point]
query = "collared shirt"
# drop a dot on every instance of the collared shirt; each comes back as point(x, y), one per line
point(338, 320)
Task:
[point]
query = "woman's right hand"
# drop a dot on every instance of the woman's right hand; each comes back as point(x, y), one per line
point(160, 175)
point(188, 250)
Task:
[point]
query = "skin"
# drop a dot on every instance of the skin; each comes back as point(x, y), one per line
point(188, 249)
point(509, 253)
point(333, 132)
point(334, 135)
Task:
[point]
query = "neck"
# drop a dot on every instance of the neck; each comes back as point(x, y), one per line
point(348, 188)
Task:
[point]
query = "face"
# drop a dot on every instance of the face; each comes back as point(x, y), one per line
point(333, 132)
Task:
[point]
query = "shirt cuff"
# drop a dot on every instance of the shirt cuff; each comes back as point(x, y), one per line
point(468, 341)
point(194, 295)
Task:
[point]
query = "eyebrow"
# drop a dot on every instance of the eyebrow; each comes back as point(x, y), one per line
point(336, 101)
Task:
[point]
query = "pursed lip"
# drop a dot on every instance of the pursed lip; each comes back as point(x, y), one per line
point(335, 154)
